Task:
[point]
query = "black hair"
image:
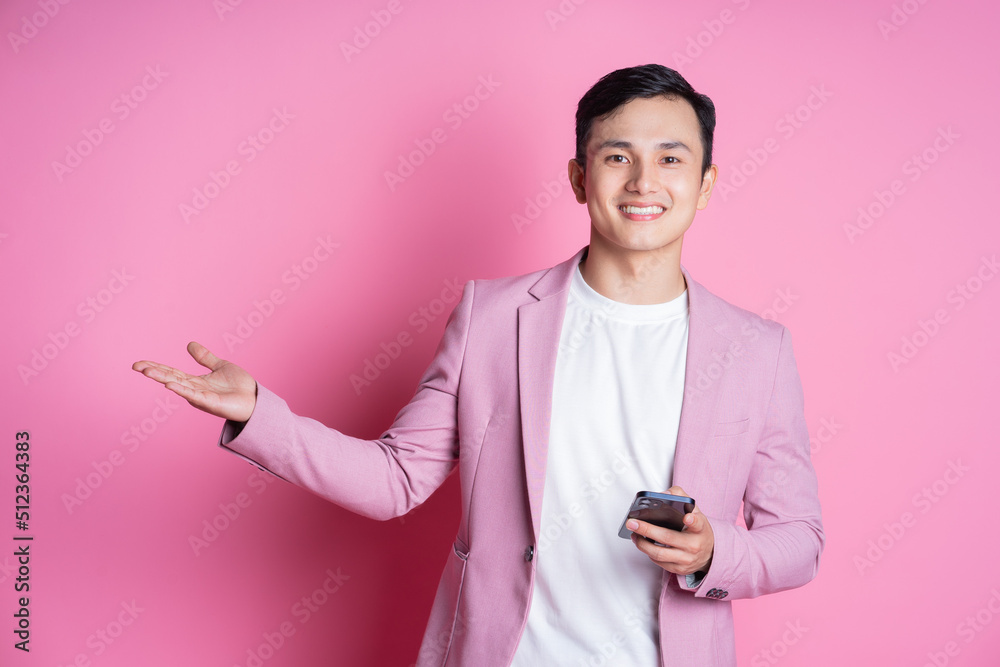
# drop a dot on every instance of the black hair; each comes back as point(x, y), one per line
point(624, 85)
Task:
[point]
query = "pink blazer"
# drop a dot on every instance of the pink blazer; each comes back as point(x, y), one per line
point(483, 405)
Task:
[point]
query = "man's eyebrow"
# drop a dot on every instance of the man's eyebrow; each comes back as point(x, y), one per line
point(671, 145)
point(662, 146)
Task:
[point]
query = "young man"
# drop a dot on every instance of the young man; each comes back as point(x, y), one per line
point(559, 395)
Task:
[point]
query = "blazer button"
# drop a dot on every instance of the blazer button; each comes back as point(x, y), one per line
point(529, 553)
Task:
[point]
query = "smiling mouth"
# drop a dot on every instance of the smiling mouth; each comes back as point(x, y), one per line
point(641, 210)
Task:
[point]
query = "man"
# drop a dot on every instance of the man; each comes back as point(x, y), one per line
point(559, 395)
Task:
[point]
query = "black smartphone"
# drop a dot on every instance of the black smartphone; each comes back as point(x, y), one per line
point(660, 509)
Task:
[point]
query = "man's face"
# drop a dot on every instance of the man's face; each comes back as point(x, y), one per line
point(643, 183)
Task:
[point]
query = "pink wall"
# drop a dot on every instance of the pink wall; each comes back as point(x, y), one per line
point(277, 141)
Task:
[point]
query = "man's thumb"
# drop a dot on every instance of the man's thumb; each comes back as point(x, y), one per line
point(203, 356)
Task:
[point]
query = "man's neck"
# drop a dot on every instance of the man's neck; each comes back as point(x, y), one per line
point(634, 277)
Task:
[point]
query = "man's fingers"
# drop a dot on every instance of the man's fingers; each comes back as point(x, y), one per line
point(206, 401)
point(202, 355)
point(159, 372)
point(141, 366)
point(185, 391)
point(659, 534)
point(672, 560)
point(695, 522)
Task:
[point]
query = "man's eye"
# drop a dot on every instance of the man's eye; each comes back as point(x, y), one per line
point(671, 159)
point(618, 158)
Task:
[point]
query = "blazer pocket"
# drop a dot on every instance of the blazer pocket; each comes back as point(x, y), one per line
point(446, 625)
point(732, 428)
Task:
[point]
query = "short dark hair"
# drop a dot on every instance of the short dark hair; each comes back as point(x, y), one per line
point(624, 85)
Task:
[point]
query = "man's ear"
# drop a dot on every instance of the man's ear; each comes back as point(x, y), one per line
point(707, 184)
point(576, 180)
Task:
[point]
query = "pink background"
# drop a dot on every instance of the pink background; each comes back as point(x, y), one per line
point(904, 575)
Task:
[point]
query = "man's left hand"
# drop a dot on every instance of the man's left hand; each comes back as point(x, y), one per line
point(684, 552)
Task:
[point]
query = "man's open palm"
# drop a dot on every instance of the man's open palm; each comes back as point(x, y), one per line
point(228, 391)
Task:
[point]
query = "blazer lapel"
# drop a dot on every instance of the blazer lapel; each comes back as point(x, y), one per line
point(702, 382)
point(539, 325)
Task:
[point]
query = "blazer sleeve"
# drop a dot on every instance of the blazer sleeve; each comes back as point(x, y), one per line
point(381, 478)
point(781, 545)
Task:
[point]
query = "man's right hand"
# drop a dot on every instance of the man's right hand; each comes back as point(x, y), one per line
point(228, 391)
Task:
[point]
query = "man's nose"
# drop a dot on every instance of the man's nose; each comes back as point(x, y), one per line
point(643, 178)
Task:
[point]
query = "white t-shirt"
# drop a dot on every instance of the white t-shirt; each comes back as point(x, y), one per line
point(616, 405)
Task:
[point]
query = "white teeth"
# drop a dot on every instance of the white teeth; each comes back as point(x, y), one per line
point(644, 210)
